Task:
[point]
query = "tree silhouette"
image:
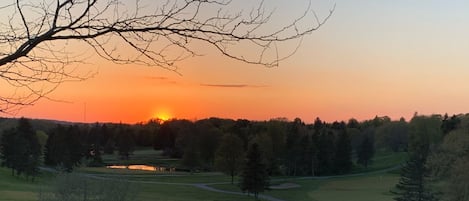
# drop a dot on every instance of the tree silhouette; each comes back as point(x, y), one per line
point(39, 39)
point(229, 155)
point(254, 178)
point(20, 149)
point(366, 151)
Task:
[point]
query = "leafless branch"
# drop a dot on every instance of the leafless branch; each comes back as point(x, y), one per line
point(35, 56)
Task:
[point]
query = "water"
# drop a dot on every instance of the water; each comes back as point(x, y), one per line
point(142, 167)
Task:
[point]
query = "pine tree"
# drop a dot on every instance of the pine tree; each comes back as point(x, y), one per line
point(10, 150)
point(412, 185)
point(366, 151)
point(20, 149)
point(64, 148)
point(343, 154)
point(29, 162)
point(254, 178)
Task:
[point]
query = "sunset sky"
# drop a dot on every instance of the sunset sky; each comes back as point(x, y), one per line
point(373, 57)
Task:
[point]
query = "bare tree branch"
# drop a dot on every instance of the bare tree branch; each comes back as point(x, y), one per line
point(34, 59)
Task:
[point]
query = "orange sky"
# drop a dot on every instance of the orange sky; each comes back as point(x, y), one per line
point(373, 58)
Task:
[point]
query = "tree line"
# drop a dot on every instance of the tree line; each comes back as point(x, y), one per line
point(287, 147)
point(436, 146)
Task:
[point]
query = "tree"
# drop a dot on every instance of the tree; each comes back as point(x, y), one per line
point(36, 39)
point(191, 157)
point(343, 153)
point(10, 152)
point(365, 151)
point(63, 148)
point(125, 143)
point(254, 178)
point(325, 153)
point(229, 155)
point(413, 184)
point(21, 150)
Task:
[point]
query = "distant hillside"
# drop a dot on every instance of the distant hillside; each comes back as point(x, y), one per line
point(38, 124)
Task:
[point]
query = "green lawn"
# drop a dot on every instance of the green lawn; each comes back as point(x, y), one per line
point(370, 187)
point(382, 160)
point(361, 188)
point(19, 189)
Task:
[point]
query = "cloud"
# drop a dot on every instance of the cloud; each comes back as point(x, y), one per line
point(233, 85)
point(156, 78)
point(161, 79)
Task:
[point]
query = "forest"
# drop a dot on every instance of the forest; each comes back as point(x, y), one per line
point(436, 147)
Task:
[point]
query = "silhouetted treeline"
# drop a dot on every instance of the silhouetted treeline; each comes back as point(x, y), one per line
point(288, 147)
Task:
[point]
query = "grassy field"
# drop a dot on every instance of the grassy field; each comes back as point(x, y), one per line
point(19, 189)
point(178, 186)
point(361, 188)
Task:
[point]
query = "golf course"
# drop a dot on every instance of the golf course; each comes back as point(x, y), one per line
point(370, 184)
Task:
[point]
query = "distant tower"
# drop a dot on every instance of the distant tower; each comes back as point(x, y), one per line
point(84, 112)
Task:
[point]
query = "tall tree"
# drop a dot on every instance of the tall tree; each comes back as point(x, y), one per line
point(413, 185)
point(343, 154)
point(254, 178)
point(21, 150)
point(64, 148)
point(325, 153)
point(229, 155)
point(366, 151)
point(125, 142)
point(10, 151)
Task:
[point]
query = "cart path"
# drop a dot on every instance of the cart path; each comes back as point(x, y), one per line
point(207, 187)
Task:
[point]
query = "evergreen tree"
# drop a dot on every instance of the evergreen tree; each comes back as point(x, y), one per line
point(306, 156)
point(63, 148)
point(229, 155)
point(366, 151)
point(10, 151)
point(343, 153)
point(325, 153)
point(412, 185)
point(125, 143)
point(254, 178)
point(21, 150)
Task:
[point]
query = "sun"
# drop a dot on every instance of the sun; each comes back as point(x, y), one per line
point(163, 116)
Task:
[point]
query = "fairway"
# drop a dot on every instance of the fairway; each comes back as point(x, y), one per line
point(182, 186)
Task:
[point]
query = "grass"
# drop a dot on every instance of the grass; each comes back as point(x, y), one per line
point(382, 160)
point(356, 188)
point(14, 188)
point(361, 188)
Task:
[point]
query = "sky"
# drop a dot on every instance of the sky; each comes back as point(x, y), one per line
point(372, 58)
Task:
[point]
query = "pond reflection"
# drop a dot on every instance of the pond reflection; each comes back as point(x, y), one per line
point(142, 167)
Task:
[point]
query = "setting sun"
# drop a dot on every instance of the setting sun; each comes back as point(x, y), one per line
point(162, 115)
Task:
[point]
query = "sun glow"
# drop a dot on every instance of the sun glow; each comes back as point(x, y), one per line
point(162, 115)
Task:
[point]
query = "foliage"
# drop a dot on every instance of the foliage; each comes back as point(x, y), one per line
point(413, 184)
point(63, 148)
point(343, 154)
point(125, 142)
point(366, 151)
point(254, 177)
point(75, 187)
point(20, 149)
point(229, 155)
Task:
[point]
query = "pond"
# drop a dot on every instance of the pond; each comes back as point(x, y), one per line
point(142, 167)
